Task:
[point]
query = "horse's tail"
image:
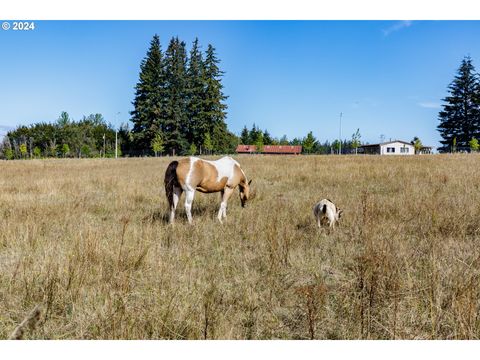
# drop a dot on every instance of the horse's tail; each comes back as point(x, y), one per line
point(170, 181)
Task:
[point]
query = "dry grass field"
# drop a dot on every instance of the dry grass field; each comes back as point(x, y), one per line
point(89, 242)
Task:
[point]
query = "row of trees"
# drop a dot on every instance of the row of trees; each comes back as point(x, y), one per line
point(93, 137)
point(179, 104)
point(460, 117)
point(310, 145)
point(89, 137)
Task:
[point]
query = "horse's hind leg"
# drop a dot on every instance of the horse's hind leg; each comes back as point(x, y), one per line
point(177, 192)
point(189, 194)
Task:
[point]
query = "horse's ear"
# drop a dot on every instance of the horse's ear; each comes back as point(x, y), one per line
point(250, 182)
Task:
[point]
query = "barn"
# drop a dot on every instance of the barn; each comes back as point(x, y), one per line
point(270, 149)
point(395, 147)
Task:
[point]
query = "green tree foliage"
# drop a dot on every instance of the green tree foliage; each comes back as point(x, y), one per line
point(150, 97)
point(65, 150)
point(9, 154)
point(417, 144)
point(267, 138)
point(85, 151)
point(460, 117)
point(64, 137)
point(175, 124)
point(207, 143)
point(37, 152)
point(214, 103)
point(193, 149)
point(296, 141)
point(181, 96)
point(309, 143)
point(196, 92)
point(284, 140)
point(157, 144)
point(23, 150)
point(259, 143)
point(245, 136)
point(336, 146)
point(356, 140)
point(474, 146)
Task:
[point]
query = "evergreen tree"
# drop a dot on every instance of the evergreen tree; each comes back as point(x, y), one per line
point(214, 106)
point(197, 121)
point(259, 143)
point(176, 121)
point(63, 119)
point(296, 141)
point(149, 113)
point(254, 133)
point(267, 138)
point(284, 140)
point(245, 136)
point(460, 117)
point(309, 143)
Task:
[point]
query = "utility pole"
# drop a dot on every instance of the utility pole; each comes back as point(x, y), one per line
point(103, 144)
point(116, 134)
point(340, 138)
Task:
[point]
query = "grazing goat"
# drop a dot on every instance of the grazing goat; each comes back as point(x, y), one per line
point(326, 212)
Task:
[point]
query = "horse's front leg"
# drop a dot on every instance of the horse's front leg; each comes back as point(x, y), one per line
point(222, 212)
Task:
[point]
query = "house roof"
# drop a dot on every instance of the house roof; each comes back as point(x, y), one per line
point(246, 148)
point(271, 149)
point(388, 142)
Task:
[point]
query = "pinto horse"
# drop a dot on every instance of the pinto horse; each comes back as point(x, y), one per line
point(193, 173)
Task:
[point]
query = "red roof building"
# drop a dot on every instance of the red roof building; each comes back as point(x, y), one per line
point(270, 149)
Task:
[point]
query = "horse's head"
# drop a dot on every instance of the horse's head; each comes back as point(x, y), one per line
point(245, 192)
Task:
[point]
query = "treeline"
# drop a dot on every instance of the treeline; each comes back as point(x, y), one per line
point(179, 105)
point(310, 144)
point(179, 109)
point(89, 137)
point(460, 118)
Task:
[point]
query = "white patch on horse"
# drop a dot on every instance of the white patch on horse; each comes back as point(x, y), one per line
point(224, 167)
point(193, 160)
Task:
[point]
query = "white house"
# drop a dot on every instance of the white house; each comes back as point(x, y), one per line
point(395, 147)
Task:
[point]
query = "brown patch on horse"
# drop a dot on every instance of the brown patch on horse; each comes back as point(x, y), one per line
point(183, 168)
point(238, 177)
point(204, 178)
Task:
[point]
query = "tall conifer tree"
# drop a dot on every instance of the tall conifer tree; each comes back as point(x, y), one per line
point(176, 121)
point(149, 99)
point(197, 124)
point(215, 108)
point(460, 117)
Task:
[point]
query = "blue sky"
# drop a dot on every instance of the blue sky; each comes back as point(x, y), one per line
point(290, 77)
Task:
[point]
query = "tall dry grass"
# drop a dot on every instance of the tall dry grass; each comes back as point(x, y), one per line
point(88, 240)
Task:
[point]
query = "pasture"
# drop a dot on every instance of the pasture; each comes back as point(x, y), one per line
point(89, 241)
